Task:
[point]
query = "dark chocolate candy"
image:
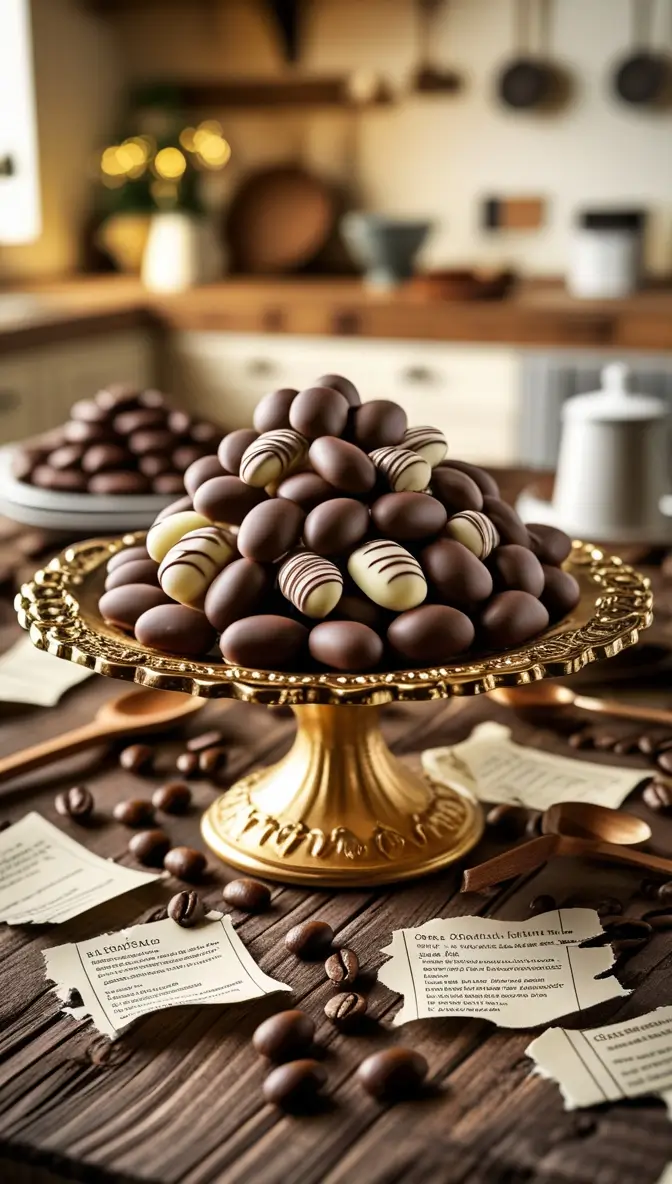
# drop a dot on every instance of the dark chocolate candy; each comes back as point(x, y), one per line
point(516, 568)
point(431, 634)
point(178, 507)
point(122, 606)
point(236, 592)
point(200, 471)
point(510, 527)
point(549, 544)
point(343, 385)
point(406, 517)
point(175, 629)
point(68, 480)
point(167, 483)
point(272, 412)
point(67, 456)
point(343, 465)
point(561, 592)
point(485, 481)
point(205, 433)
point(232, 447)
point(336, 526)
point(128, 555)
point(227, 499)
point(179, 422)
point(151, 440)
point(118, 395)
point(378, 424)
point(155, 463)
point(360, 608)
point(100, 457)
point(79, 431)
point(118, 481)
point(306, 489)
point(87, 410)
point(270, 529)
point(319, 411)
point(151, 398)
point(134, 421)
point(264, 642)
point(510, 619)
point(456, 491)
point(345, 645)
point(455, 572)
point(186, 454)
point(138, 571)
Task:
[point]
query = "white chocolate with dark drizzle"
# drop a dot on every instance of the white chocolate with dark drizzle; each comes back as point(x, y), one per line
point(314, 585)
point(429, 443)
point(167, 532)
point(189, 568)
point(404, 470)
point(388, 574)
point(271, 456)
point(475, 531)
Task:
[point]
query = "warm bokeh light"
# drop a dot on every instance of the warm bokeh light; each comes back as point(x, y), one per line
point(165, 193)
point(215, 152)
point(170, 163)
point(110, 163)
point(187, 139)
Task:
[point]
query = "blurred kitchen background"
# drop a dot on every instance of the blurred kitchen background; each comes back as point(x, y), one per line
point(463, 205)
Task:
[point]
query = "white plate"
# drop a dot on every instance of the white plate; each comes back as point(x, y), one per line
point(535, 509)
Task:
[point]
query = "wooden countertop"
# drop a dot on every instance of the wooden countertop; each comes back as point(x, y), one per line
point(535, 314)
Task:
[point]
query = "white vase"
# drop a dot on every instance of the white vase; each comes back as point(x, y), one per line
point(181, 251)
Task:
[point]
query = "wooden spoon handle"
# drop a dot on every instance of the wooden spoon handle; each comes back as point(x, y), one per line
point(42, 754)
point(512, 863)
point(654, 863)
point(652, 715)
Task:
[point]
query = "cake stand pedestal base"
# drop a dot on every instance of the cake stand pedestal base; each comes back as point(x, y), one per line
point(340, 810)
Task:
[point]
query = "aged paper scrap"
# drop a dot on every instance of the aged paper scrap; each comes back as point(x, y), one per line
point(121, 976)
point(47, 877)
point(29, 675)
point(516, 973)
point(496, 769)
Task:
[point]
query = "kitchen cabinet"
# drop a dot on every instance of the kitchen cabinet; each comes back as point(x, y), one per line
point(471, 393)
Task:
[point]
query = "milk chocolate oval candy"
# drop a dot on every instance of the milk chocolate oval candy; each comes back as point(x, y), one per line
point(510, 619)
point(360, 608)
point(236, 592)
point(233, 447)
point(118, 481)
point(378, 423)
point(407, 517)
point(69, 480)
point(182, 503)
point(185, 455)
point(345, 645)
point(100, 457)
point(431, 634)
point(167, 483)
point(166, 532)
point(485, 481)
point(307, 490)
point(227, 499)
point(271, 529)
point(139, 571)
point(515, 568)
point(402, 469)
point(271, 456)
point(336, 526)
point(456, 491)
point(151, 440)
point(388, 574)
point(126, 555)
point(314, 585)
point(272, 412)
point(475, 531)
point(134, 421)
point(428, 442)
point(561, 592)
point(175, 629)
point(264, 642)
point(338, 383)
point(319, 411)
point(342, 465)
point(65, 457)
point(200, 471)
point(189, 568)
point(457, 575)
point(509, 526)
point(122, 606)
point(549, 544)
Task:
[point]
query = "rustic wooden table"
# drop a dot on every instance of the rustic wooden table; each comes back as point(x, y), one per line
point(178, 1098)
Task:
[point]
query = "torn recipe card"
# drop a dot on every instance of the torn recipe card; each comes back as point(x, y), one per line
point(496, 769)
point(45, 876)
point(516, 973)
point(122, 976)
point(29, 675)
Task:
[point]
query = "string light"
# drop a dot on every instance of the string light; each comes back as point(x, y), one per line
point(170, 163)
point(129, 159)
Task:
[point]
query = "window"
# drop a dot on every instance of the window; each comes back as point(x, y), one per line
point(19, 182)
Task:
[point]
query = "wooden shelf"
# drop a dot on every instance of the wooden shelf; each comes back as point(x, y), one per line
point(284, 92)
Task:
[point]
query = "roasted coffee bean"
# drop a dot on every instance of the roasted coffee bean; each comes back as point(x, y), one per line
point(650, 889)
point(543, 904)
point(134, 812)
point(149, 847)
point(185, 863)
point(608, 907)
point(658, 794)
point(664, 761)
point(187, 763)
point(295, 1086)
point(172, 798)
point(342, 966)
point(392, 1073)
point(75, 803)
point(663, 892)
point(211, 760)
point(346, 1008)
point(604, 741)
point(310, 939)
point(582, 739)
point(510, 822)
point(658, 918)
point(137, 758)
point(626, 745)
point(186, 909)
point(205, 740)
point(250, 896)
point(285, 1036)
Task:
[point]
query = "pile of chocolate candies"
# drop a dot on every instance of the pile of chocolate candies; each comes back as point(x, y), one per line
point(122, 441)
point(334, 536)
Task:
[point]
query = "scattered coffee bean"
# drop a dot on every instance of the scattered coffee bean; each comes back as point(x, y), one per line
point(664, 892)
point(295, 1086)
point(658, 794)
point(543, 904)
point(647, 743)
point(582, 739)
point(658, 918)
point(150, 847)
point(392, 1073)
point(664, 761)
point(626, 745)
point(134, 812)
point(609, 907)
point(310, 939)
point(137, 758)
point(346, 1008)
point(186, 909)
point(75, 803)
point(508, 821)
point(187, 763)
point(172, 798)
point(250, 896)
point(211, 760)
point(205, 740)
point(604, 741)
point(185, 863)
point(342, 966)
point(285, 1036)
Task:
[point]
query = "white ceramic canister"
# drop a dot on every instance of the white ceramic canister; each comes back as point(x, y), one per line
point(181, 251)
point(606, 254)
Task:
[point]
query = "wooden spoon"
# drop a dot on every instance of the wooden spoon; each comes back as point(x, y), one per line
point(545, 695)
point(137, 712)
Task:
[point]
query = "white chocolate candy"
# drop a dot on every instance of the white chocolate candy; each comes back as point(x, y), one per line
point(475, 531)
point(167, 533)
point(405, 471)
point(189, 568)
point(314, 585)
point(270, 458)
point(429, 443)
point(388, 574)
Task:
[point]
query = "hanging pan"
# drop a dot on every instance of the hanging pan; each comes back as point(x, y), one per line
point(643, 77)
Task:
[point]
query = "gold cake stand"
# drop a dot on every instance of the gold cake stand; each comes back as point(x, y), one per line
point(339, 810)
